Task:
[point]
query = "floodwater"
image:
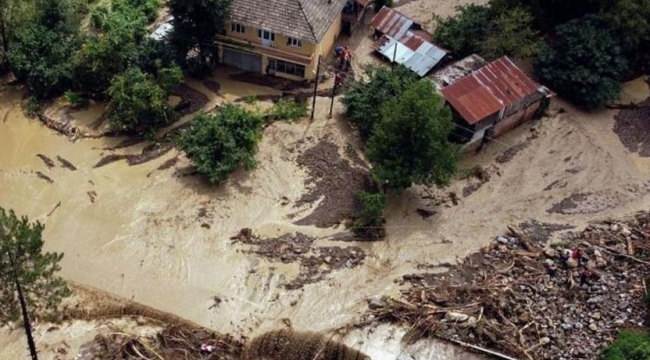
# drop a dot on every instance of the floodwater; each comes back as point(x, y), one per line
point(142, 237)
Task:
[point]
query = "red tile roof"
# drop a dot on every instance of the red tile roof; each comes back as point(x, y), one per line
point(488, 90)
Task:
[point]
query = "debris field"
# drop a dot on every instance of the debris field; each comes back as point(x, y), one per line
point(528, 300)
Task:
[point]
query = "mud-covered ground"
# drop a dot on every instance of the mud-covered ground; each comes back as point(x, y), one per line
point(147, 234)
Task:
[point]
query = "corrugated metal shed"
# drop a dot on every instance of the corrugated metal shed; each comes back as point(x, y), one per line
point(404, 43)
point(490, 89)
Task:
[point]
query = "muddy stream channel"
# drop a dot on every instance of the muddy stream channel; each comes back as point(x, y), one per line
point(145, 233)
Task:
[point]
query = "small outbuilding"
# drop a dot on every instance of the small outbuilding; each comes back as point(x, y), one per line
point(401, 40)
point(493, 99)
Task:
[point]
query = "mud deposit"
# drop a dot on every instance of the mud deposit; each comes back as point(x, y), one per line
point(590, 203)
point(150, 152)
point(633, 128)
point(315, 262)
point(511, 152)
point(333, 181)
point(287, 344)
point(542, 232)
point(191, 100)
point(211, 85)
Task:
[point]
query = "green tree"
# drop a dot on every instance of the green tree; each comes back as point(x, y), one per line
point(28, 281)
point(139, 101)
point(196, 24)
point(411, 143)
point(369, 222)
point(629, 345)
point(41, 58)
point(464, 33)
point(219, 143)
point(364, 99)
point(109, 54)
point(13, 15)
point(584, 63)
point(512, 34)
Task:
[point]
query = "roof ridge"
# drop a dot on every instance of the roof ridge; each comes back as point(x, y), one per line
point(311, 28)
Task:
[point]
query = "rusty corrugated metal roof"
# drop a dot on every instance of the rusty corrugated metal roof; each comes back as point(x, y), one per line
point(489, 89)
point(403, 44)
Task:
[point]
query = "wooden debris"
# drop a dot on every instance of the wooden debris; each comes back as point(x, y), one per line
point(519, 302)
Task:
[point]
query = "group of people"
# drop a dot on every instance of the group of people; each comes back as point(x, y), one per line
point(571, 259)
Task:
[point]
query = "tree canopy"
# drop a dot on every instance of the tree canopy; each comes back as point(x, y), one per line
point(463, 34)
point(364, 98)
point(22, 260)
point(584, 63)
point(196, 24)
point(511, 33)
point(140, 101)
point(40, 57)
point(411, 143)
point(490, 31)
point(220, 143)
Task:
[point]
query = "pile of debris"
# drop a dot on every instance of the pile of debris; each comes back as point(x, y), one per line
point(172, 343)
point(522, 299)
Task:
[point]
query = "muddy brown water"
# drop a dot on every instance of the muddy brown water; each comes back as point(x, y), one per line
point(142, 237)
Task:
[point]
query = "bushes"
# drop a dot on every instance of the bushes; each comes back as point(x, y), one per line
point(369, 223)
point(76, 100)
point(219, 143)
point(288, 109)
point(139, 101)
point(629, 345)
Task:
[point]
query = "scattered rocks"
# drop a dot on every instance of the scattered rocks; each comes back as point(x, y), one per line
point(572, 308)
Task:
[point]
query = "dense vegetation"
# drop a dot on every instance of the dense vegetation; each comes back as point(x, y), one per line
point(585, 63)
point(582, 48)
point(629, 345)
point(196, 24)
point(220, 143)
point(411, 142)
point(364, 99)
point(29, 285)
point(93, 50)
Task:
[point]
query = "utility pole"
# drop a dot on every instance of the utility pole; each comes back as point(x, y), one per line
point(23, 308)
point(313, 103)
point(336, 84)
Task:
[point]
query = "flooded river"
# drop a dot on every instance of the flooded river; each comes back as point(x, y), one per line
point(164, 241)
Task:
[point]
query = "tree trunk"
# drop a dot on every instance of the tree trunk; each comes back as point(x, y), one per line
point(26, 323)
point(23, 307)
